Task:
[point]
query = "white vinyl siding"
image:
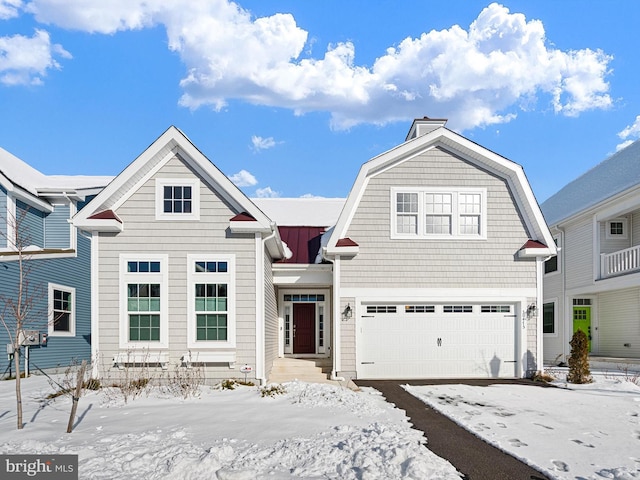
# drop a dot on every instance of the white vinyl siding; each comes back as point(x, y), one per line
point(619, 323)
point(578, 251)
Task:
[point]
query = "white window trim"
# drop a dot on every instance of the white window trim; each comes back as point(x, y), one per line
point(623, 236)
point(51, 317)
point(229, 278)
point(558, 242)
point(162, 278)
point(194, 183)
point(555, 317)
point(455, 216)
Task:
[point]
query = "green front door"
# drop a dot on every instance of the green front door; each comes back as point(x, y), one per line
point(582, 321)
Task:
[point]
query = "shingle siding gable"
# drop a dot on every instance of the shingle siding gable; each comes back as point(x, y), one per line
point(437, 263)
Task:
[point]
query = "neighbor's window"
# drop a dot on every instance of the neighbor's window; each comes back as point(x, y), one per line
point(552, 265)
point(549, 318)
point(61, 310)
point(617, 229)
point(211, 312)
point(177, 199)
point(439, 213)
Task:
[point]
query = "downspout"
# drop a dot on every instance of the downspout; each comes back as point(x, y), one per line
point(539, 312)
point(337, 315)
point(566, 322)
point(260, 245)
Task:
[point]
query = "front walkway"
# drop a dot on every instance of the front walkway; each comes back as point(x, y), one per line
point(474, 458)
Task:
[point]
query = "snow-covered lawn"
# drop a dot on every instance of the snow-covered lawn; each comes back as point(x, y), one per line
point(313, 431)
point(581, 432)
point(322, 431)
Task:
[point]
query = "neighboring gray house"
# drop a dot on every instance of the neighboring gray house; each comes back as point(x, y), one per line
point(35, 210)
point(432, 269)
point(594, 281)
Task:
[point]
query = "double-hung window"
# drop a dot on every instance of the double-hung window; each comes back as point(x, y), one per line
point(438, 213)
point(211, 301)
point(62, 315)
point(144, 305)
point(549, 318)
point(177, 199)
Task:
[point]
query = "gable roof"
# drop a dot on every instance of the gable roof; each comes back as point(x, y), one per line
point(616, 174)
point(27, 183)
point(441, 137)
point(170, 144)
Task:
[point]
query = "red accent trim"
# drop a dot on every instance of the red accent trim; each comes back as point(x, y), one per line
point(533, 244)
point(105, 215)
point(346, 242)
point(243, 217)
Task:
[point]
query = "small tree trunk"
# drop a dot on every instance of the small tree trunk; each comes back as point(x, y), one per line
point(16, 360)
point(76, 396)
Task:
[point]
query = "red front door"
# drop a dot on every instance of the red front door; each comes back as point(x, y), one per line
point(304, 328)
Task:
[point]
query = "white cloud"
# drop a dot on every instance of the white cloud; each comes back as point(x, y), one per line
point(266, 192)
point(629, 134)
point(243, 179)
point(9, 8)
point(260, 143)
point(474, 77)
point(25, 60)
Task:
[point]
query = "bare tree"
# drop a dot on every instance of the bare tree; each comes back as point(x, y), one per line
point(19, 309)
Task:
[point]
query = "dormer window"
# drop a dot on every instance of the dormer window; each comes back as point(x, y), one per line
point(177, 199)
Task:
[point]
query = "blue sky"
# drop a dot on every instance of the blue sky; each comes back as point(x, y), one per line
point(289, 98)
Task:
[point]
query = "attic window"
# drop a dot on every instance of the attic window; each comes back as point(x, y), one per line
point(177, 199)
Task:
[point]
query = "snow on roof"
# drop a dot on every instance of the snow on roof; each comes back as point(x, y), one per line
point(34, 182)
point(307, 212)
point(616, 174)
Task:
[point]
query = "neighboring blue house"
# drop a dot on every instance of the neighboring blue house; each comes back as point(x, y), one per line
point(35, 210)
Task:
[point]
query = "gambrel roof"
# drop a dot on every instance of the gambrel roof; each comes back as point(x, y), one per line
point(426, 134)
point(615, 175)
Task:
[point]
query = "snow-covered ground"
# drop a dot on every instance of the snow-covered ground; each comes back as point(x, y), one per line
point(313, 431)
point(589, 431)
point(319, 431)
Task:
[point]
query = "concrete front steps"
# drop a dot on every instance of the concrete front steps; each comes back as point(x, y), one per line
point(312, 370)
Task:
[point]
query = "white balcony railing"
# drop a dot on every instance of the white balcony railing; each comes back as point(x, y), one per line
point(620, 262)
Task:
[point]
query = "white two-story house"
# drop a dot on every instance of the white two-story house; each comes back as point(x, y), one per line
point(593, 283)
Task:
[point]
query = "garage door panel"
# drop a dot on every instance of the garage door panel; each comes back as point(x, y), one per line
point(437, 345)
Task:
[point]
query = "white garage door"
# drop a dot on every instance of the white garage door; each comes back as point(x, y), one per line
point(437, 341)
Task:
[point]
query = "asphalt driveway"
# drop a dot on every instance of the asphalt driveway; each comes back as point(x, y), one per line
point(472, 457)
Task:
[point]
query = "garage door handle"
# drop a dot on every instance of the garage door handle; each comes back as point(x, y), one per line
point(367, 363)
point(439, 341)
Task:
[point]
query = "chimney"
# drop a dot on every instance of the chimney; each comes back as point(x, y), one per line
point(422, 126)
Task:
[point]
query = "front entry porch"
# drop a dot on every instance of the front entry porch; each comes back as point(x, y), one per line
point(306, 329)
